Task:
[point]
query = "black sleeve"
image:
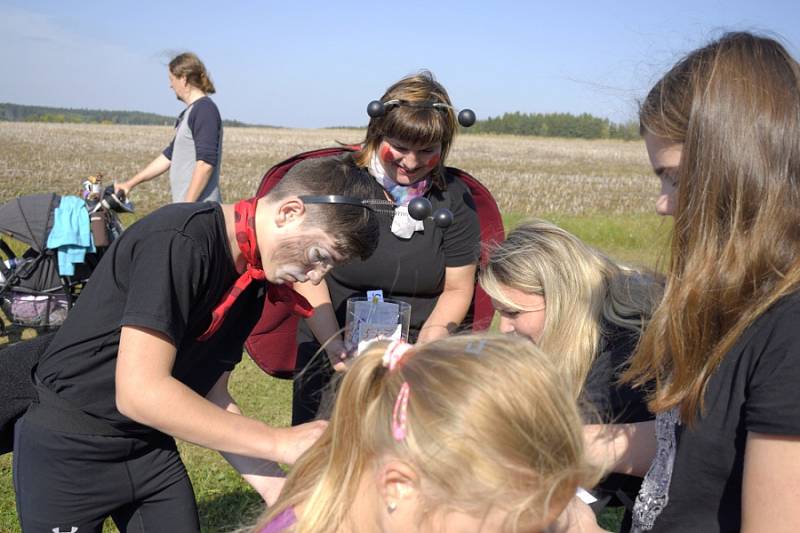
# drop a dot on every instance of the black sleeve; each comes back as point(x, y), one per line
point(166, 278)
point(603, 395)
point(462, 237)
point(773, 402)
point(168, 150)
point(205, 124)
point(596, 393)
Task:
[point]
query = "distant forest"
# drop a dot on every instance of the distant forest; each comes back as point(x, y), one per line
point(32, 113)
point(584, 126)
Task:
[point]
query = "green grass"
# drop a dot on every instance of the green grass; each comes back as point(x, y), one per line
point(636, 239)
point(226, 502)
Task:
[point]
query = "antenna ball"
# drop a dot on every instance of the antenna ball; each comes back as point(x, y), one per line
point(376, 109)
point(443, 217)
point(466, 117)
point(420, 208)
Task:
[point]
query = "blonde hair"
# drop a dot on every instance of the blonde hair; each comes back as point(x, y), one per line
point(582, 289)
point(418, 126)
point(489, 424)
point(734, 105)
point(188, 65)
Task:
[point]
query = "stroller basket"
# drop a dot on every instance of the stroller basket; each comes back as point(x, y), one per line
point(32, 291)
point(32, 294)
point(35, 310)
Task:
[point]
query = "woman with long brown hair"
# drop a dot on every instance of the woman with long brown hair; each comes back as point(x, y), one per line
point(722, 130)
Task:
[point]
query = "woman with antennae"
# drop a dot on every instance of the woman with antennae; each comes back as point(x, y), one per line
point(429, 264)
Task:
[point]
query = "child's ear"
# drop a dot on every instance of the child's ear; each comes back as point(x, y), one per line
point(398, 484)
point(289, 210)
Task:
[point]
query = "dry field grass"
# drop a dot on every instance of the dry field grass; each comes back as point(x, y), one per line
point(526, 175)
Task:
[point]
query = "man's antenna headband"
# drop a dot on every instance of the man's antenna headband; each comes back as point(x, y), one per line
point(419, 208)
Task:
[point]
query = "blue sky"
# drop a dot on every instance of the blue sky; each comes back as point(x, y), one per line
point(314, 64)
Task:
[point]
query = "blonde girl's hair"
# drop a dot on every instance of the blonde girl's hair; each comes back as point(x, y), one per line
point(734, 105)
point(189, 65)
point(417, 126)
point(490, 423)
point(582, 288)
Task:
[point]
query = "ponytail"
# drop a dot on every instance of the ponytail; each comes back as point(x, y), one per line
point(188, 65)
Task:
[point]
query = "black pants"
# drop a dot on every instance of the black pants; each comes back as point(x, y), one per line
point(310, 385)
point(66, 480)
point(617, 490)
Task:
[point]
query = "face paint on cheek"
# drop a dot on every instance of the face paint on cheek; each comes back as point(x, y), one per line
point(386, 154)
point(434, 161)
point(291, 251)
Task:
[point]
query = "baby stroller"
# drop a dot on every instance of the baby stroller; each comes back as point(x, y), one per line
point(33, 293)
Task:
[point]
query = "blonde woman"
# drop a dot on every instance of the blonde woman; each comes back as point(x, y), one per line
point(423, 440)
point(576, 303)
point(584, 310)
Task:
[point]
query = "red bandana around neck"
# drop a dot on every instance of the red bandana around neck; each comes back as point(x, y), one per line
point(245, 229)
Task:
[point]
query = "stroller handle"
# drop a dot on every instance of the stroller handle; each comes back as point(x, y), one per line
point(116, 201)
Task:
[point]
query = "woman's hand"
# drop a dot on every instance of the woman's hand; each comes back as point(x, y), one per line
point(621, 448)
point(337, 353)
point(577, 517)
point(452, 305)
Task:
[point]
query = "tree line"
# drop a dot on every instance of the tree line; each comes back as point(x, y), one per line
point(583, 126)
point(31, 113)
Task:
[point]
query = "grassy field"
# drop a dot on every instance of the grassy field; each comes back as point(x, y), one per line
point(603, 191)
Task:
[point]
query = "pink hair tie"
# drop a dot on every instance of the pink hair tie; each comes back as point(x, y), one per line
point(391, 359)
point(394, 352)
point(400, 413)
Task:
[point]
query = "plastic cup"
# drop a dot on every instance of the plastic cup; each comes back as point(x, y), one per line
point(367, 320)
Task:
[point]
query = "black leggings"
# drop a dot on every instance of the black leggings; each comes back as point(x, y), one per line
point(309, 386)
point(65, 481)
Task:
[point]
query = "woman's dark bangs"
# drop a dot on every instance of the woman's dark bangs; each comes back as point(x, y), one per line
point(419, 127)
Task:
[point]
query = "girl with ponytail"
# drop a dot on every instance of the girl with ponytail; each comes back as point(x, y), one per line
point(423, 439)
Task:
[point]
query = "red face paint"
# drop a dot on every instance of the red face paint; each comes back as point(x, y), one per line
point(386, 153)
point(433, 161)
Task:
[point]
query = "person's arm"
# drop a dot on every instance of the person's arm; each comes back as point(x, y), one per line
point(323, 322)
point(771, 483)
point(200, 176)
point(265, 476)
point(621, 448)
point(452, 305)
point(147, 393)
point(155, 168)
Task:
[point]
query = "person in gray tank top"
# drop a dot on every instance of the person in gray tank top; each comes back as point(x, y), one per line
point(194, 156)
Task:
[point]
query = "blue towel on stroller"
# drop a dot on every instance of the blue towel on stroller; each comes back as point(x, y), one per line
point(71, 235)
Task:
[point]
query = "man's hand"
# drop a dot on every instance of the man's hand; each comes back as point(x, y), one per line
point(294, 441)
point(122, 189)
